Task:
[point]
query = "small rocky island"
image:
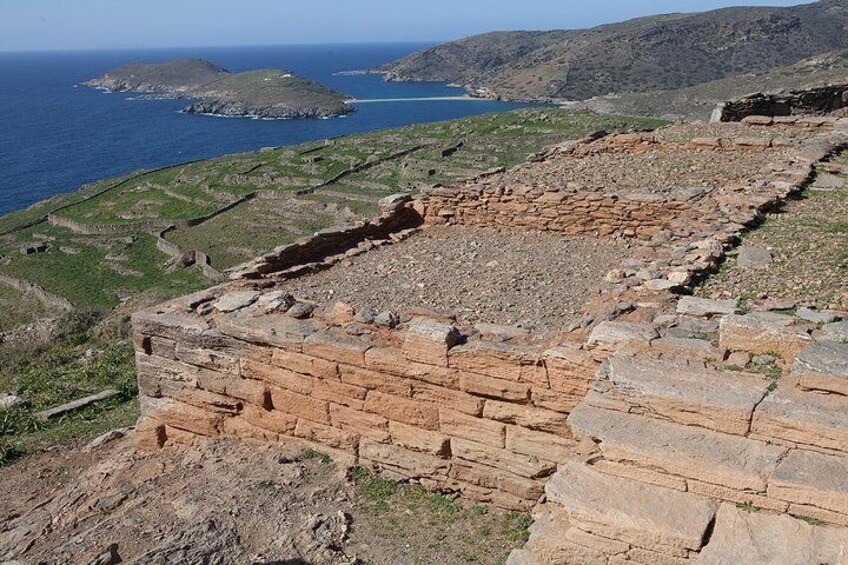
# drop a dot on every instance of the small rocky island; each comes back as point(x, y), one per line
point(270, 93)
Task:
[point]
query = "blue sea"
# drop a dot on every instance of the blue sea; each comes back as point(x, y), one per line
point(55, 137)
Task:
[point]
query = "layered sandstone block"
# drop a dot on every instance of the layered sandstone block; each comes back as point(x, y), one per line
point(420, 402)
point(681, 463)
point(725, 434)
point(765, 332)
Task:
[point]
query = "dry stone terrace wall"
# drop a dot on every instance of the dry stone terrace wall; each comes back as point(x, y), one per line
point(398, 217)
point(416, 402)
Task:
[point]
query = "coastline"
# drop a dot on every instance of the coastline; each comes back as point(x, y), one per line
point(106, 136)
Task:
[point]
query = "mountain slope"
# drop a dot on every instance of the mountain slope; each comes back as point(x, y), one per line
point(654, 53)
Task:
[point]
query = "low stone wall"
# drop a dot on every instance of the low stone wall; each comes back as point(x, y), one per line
point(363, 167)
point(506, 201)
point(34, 290)
point(99, 229)
point(814, 101)
point(397, 213)
point(199, 258)
point(418, 402)
point(147, 225)
point(570, 213)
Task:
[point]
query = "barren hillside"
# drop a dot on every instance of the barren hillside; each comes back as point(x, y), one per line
point(654, 53)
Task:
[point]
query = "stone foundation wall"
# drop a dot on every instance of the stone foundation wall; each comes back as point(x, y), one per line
point(481, 418)
point(397, 213)
point(683, 459)
point(815, 101)
point(569, 213)
point(509, 203)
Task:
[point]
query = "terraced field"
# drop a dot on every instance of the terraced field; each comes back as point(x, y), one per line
point(18, 308)
point(101, 247)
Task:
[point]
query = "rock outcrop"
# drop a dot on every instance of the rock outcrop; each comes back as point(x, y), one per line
point(818, 101)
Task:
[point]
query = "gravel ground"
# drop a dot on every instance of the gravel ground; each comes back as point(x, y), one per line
point(809, 242)
point(530, 279)
point(684, 133)
point(660, 170)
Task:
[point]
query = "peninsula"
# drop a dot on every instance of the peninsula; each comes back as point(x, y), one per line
point(269, 93)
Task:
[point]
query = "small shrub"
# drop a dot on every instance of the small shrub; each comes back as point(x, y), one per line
point(437, 503)
point(313, 454)
point(376, 489)
point(810, 520)
point(747, 507)
point(9, 451)
point(517, 526)
point(76, 324)
point(479, 510)
point(17, 421)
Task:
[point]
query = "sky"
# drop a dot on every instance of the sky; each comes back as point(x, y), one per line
point(27, 25)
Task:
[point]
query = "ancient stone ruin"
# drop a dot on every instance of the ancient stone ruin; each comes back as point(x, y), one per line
point(818, 101)
point(628, 431)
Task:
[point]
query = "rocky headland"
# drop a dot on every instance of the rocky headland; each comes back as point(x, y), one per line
point(270, 93)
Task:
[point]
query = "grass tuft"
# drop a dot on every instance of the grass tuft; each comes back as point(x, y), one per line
point(307, 454)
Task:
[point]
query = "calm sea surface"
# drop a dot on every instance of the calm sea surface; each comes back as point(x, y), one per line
point(55, 137)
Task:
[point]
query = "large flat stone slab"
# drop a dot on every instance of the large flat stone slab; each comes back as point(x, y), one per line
point(754, 538)
point(75, 405)
point(837, 331)
point(613, 335)
point(553, 543)
point(233, 301)
point(428, 341)
point(647, 516)
point(273, 329)
point(803, 418)
point(764, 332)
point(734, 462)
point(823, 366)
point(704, 307)
point(169, 324)
point(685, 393)
point(813, 479)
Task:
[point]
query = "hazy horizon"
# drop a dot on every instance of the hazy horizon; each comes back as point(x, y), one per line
point(59, 25)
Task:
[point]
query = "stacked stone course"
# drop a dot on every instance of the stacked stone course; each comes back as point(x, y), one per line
point(678, 454)
point(482, 418)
